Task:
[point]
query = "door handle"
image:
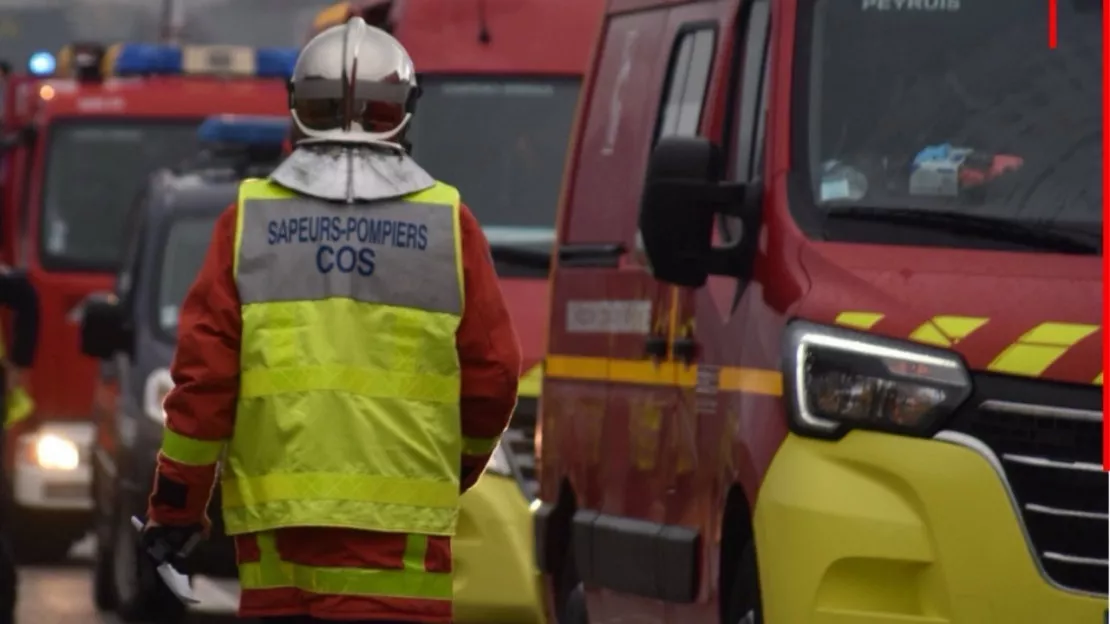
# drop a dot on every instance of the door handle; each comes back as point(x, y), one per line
point(656, 347)
point(685, 348)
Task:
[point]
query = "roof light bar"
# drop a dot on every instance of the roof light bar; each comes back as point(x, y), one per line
point(134, 59)
point(244, 130)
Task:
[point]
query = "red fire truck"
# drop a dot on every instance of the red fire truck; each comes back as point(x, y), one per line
point(82, 134)
point(842, 363)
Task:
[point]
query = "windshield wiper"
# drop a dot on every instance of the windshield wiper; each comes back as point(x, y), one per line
point(521, 256)
point(1037, 234)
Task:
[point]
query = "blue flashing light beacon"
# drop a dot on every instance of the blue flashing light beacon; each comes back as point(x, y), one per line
point(245, 130)
point(42, 64)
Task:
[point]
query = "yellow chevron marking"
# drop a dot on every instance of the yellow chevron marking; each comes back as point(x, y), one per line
point(1038, 348)
point(1098, 380)
point(946, 330)
point(859, 320)
point(531, 382)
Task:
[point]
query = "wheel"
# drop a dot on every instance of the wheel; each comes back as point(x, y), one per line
point(141, 595)
point(744, 603)
point(103, 585)
point(570, 594)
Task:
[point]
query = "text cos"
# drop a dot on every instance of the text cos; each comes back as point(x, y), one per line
point(345, 259)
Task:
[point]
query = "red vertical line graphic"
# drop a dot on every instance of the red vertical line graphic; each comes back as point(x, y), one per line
point(1052, 24)
point(1105, 225)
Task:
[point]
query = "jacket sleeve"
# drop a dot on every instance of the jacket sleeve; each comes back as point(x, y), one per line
point(17, 292)
point(200, 410)
point(489, 354)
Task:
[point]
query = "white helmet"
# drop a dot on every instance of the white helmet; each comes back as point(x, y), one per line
point(354, 84)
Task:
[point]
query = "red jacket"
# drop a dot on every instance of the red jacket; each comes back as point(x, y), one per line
point(202, 405)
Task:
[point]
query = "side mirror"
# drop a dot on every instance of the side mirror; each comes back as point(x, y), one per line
point(683, 194)
point(105, 328)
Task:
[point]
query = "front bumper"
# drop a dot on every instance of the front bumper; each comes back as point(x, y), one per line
point(41, 489)
point(881, 528)
point(496, 580)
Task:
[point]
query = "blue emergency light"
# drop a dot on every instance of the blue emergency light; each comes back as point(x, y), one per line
point(138, 59)
point(42, 64)
point(246, 130)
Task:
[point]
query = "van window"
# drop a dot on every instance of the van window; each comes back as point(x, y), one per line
point(751, 100)
point(687, 81)
point(751, 103)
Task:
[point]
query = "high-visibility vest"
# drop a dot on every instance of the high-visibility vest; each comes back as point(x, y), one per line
point(348, 411)
point(18, 404)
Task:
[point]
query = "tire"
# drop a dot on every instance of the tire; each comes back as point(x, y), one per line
point(570, 595)
point(140, 594)
point(103, 581)
point(745, 604)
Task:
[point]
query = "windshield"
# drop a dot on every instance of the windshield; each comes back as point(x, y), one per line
point(182, 254)
point(503, 143)
point(255, 23)
point(94, 169)
point(958, 106)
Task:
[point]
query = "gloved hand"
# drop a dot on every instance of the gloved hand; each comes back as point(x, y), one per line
point(170, 544)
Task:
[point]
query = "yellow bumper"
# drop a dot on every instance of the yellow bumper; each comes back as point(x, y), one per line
point(880, 528)
point(496, 580)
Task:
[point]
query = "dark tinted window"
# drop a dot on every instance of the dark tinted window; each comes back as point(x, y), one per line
point(183, 252)
point(94, 171)
point(891, 79)
point(502, 143)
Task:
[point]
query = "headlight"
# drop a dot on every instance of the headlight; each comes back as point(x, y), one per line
point(839, 379)
point(158, 385)
point(54, 452)
point(499, 463)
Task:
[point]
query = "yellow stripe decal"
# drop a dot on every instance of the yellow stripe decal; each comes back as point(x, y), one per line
point(858, 320)
point(531, 382)
point(1037, 349)
point(1098, 380)
point(945, 331)
point(646, 372)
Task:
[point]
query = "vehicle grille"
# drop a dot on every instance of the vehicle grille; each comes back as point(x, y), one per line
point(520, 443)
point(1048, 439)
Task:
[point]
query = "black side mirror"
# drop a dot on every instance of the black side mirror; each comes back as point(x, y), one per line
point(105, 327)
point(683, 194)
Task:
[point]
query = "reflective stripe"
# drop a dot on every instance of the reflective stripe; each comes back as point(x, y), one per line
point(1098, 380)
point(1038, 348)
point(247, 491)
point(479, 446)
point(190, 451)
point(261, 382)
point(20, 406)
point(858, 320)
point(398, 253)
point(945, 330)
point(413, 581)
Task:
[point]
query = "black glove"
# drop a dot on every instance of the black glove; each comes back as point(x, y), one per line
point(170, 544)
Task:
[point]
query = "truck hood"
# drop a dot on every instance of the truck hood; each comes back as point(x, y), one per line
point(1033, 315)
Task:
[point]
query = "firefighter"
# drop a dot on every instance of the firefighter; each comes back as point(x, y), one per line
point(17, 293)
point(346, 344)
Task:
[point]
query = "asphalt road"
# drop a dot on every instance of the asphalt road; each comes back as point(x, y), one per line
point(63, 595)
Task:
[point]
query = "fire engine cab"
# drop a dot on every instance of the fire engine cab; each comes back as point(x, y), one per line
point(82, 131)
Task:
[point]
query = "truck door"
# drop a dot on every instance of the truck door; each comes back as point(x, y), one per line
point(726, 328)
point(604, 306)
